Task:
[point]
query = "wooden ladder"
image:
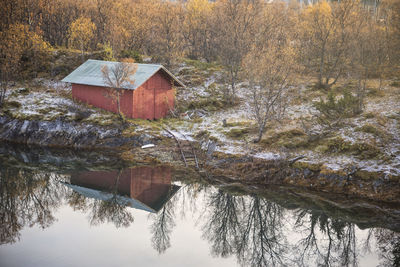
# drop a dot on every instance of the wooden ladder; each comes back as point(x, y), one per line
point(186, 149)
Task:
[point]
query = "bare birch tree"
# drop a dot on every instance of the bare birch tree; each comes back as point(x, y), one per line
point(234, 25)
point(269, 67)
point(118, 77)
point(327, 31)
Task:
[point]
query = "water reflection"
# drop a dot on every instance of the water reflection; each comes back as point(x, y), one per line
point(337, 245)
point(106, 194)
point(161, 228)
point(249, 227)
point(275, 229)
point(27, 198)
point(255, 230)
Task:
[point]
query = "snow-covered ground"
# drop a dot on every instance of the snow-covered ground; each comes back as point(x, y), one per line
point(52, 101)
point(382, 107)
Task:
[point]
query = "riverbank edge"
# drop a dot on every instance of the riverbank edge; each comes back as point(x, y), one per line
point(246, 170)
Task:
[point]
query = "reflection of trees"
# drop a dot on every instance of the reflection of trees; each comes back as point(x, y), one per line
point(389, 246)
point(162, 227)
point(164, 220)
point(27, 198)
point(254, 230)
point(248, 227)
point(112, 210)
point(336, 242)
point(223, 226)
point(187, 196)
point(262, 242)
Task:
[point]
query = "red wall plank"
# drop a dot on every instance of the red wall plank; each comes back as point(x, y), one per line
point(100, 97)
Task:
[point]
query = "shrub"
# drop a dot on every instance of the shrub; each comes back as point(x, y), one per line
point(369, 128)
point(106, 52)
point(201, 65)
point(369, 115)
point(333, 109)
point(131, 54)
point(374, 92)
point(13, 104)
point(395, 84)
point(207, 103)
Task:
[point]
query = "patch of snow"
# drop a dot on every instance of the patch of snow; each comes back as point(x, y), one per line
point(298, 111)
point(232, 150)
point(333, 166)
point(180, 135)
point(267, 156)
point(212, 79)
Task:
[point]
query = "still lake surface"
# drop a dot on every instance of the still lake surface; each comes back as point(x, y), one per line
point(66, 208)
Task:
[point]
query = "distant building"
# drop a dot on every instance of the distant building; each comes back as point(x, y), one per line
point(151, 96)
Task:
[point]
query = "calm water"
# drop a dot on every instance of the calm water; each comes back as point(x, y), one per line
point(71, 209)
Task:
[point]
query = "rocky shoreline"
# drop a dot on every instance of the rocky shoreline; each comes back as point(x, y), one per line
point(245, 170)
point(355, 183)
point(60, 133)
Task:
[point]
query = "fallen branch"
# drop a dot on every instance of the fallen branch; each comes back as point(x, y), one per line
point(291, 161)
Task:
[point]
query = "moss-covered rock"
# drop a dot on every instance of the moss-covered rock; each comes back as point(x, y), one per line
point(374, 130)
point(101, 120)
point(128, 156)
point(362, 150)
point(130, 131)
point(207, 103)
point(11, 104)
point(316, 167)
point(367, 175)
point(293, 138)
point(328, 171)
point(238, 124)
point(321, 148)
point(369, 115)
point(295, 142)
point(237, 132)
point(202, 134)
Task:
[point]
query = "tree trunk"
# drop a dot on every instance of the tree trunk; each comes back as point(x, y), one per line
point(260, 134)
point(119, 105)
point(3, 89)
point(82, 52)
point(321, 66)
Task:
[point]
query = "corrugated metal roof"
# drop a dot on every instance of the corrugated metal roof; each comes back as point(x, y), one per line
point(89, 73)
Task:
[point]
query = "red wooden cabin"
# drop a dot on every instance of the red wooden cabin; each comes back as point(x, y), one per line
point(151, 96)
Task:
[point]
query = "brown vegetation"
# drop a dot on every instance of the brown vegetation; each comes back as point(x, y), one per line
point(255, 41)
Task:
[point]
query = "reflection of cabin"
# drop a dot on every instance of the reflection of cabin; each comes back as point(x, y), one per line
point(146, 188)
point(151, 95)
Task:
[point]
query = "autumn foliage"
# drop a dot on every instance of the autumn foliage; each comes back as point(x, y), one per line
point(328, 39)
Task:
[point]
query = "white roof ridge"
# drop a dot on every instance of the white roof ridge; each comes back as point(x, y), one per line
point(108, 61)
